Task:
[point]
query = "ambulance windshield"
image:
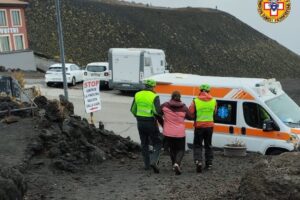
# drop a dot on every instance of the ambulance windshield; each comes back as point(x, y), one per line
point(286, 109)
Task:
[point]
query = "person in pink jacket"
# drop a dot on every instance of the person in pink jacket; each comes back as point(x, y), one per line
point(174, 114)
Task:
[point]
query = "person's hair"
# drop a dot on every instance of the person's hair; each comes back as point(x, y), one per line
point(176, 96)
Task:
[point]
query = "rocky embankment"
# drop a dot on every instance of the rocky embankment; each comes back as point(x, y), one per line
point(58, 139)
point(71, 141)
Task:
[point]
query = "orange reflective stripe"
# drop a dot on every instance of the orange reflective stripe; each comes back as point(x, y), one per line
point(190, 90)
point(223, 129)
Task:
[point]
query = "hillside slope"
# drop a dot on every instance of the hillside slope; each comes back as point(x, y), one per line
point(199, 41)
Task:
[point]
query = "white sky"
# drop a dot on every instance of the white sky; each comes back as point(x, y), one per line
point(286, 32)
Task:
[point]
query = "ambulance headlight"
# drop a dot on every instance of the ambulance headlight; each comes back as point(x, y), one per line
point(294, 138)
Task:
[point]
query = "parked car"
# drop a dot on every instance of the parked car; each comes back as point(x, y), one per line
point(54, 74)
point(98, 70)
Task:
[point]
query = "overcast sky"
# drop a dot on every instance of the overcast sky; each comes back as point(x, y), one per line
point(286, 32)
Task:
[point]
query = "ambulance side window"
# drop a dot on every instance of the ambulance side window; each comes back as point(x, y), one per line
point(255, 114)
point(226, 112)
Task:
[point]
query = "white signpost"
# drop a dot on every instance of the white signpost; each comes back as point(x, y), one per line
point(91, 94)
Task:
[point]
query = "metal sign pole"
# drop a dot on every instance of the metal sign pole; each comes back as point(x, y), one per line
point(61, 45)
point(92, 119)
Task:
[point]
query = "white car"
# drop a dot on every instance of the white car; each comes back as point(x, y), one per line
point(98, 70)
point(54, 74)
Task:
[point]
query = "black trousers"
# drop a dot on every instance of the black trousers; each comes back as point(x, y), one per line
point(200, 135)
point(149, 134)
point(176, 148)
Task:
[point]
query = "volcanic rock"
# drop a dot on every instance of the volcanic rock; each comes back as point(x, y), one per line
point(12, 184)
point(277, 179)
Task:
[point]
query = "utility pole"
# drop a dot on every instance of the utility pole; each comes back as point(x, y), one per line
point(61, 46)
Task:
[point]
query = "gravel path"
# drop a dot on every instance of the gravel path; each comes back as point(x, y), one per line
point(126, 179)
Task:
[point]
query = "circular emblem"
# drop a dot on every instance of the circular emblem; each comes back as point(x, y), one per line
point(274, 11)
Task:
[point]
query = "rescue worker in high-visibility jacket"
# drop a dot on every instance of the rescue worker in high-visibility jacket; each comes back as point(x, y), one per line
point(145, 107)
point(203, 108)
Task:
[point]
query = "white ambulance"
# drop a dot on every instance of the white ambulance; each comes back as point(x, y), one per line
point(254, 111)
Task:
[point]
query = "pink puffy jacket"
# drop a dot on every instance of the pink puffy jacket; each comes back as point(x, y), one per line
point(175, 112)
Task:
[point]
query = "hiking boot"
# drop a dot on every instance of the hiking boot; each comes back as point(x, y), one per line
point(177, 169)
point(155, 168)
point(198, 166)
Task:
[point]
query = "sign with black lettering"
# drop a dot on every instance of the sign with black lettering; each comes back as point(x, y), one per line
point(91, 94)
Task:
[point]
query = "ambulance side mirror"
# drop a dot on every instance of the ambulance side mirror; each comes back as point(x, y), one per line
point(269, 125)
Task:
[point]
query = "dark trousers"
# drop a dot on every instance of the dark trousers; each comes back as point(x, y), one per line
point(176, 148)
point(149, 134)
point(200, 135)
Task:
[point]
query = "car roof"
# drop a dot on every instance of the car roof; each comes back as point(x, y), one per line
point(98, 63)
point(60, 65)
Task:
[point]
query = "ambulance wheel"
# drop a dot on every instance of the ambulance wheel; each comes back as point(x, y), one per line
point(276, 152)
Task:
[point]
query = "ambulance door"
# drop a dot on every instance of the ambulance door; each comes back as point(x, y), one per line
point(225, 123)
point(251, 130)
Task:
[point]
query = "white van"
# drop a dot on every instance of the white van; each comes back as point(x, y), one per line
point(131, 66)
point(255, 111)
point(98, 70)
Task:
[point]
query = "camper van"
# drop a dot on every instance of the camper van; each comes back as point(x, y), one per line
point(130, 66)
point(254, 111)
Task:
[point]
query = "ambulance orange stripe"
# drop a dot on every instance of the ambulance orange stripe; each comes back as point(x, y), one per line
point(237, 130)
point(272, 134)
point(223, 129)
point(220, 92)
point(190, 90)
point(184, 90)
point(297, 131)
point(217, 128)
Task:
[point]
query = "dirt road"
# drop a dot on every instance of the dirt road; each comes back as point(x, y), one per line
point(126, 179)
